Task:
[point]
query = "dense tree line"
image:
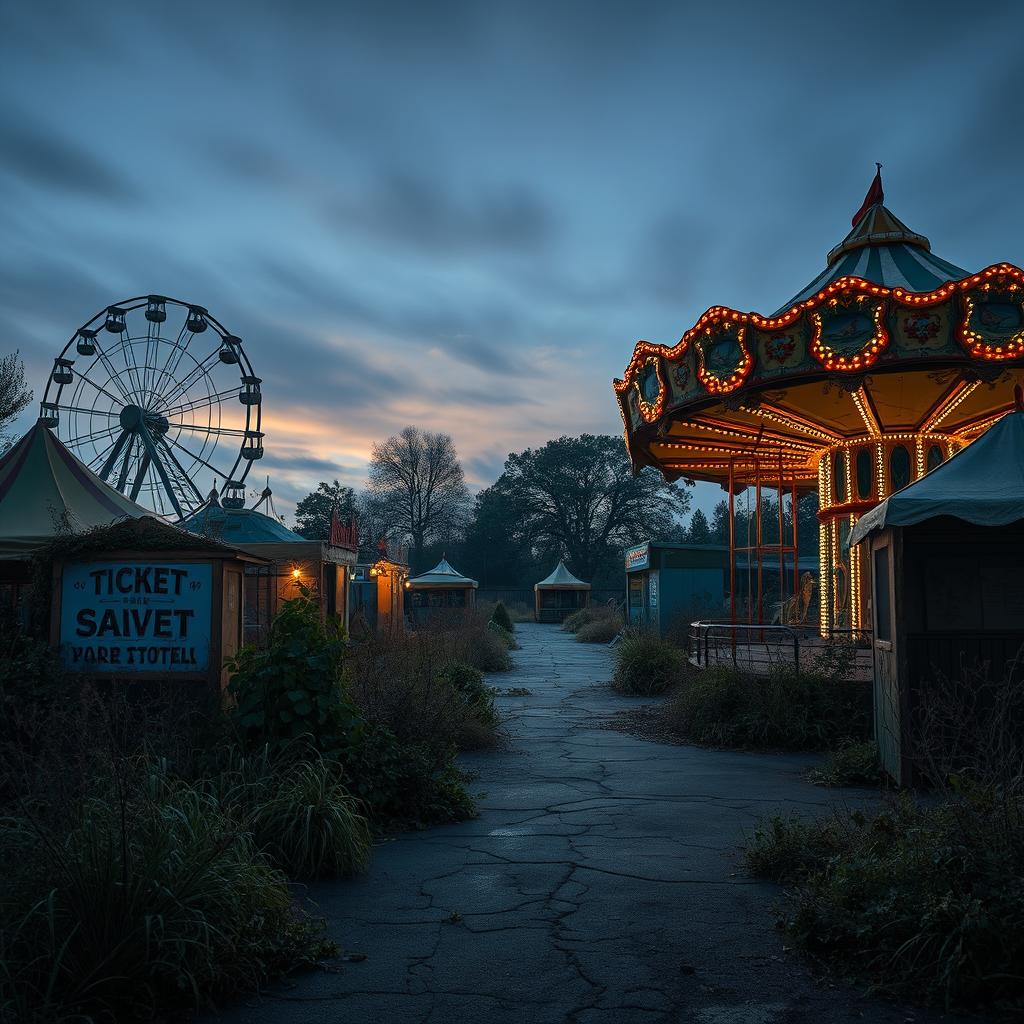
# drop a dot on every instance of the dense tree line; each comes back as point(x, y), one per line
point(575, 498)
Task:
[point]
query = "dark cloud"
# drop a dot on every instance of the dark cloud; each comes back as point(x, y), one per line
point(413, 208)
point(43, 159)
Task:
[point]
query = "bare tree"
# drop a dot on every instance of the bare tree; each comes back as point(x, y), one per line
point(417, 488)
point(14, 394)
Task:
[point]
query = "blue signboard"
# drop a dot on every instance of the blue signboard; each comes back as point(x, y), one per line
point(136, 617)
point(638, 556)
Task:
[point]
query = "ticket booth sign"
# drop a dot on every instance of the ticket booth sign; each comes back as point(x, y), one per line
point(136, 617)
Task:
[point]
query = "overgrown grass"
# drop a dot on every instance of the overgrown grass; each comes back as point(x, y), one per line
point(646, 665)
point(852, 764)
point(920, 902)
point(782, 711)
point(143, 896)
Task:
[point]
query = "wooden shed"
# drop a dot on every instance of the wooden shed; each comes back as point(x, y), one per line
point(142, 600)
point(291, 561)
point(559, 595)
point(378, 596)
point(946, 557)
point(442, 591)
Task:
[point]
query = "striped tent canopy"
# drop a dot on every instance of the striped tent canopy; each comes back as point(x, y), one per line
point(883, 250)
point(46, 490)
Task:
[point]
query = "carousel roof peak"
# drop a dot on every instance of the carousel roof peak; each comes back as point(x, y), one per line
point(881, 249)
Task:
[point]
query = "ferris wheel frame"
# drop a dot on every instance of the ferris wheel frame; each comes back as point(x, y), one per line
point(135, 439)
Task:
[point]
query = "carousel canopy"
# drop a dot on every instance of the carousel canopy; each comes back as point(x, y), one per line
point(889, 342)
point(442, 575)
point(982, 484)
point(238, 526)
point(561, 579)
point(46, 490)
point(883, 250)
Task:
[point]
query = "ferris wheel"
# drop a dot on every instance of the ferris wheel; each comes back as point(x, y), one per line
point(160, 400)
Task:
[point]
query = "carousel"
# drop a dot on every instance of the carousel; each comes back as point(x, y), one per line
point(884, 366)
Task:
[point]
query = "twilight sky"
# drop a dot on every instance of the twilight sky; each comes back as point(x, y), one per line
point(463, 215)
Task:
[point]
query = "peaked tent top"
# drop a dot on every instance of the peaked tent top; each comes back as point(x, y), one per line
point(238, 526)
point(46, 490)
point(883, 250)
point(442, 575)
point(982, 484)
point(561, 579)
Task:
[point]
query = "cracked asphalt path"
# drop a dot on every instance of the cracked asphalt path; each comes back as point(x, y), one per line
point(601, 884)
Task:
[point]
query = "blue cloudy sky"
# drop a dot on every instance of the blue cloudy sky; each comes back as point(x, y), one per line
point(463, 215)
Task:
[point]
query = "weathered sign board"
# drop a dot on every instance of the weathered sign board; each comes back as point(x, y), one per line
point(137, 617)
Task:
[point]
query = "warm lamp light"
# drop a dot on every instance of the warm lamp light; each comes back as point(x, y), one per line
point(296, 574)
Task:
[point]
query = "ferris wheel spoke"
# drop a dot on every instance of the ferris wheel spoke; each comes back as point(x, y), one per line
point(95, 435)
point(194, 375)
point(220, 431)
point(177, 349)
point(200, 403)
point(115, 377)
point(102, 390)
point(177, 465)
point(127, 348)
point(87, 412)
point(192, 455)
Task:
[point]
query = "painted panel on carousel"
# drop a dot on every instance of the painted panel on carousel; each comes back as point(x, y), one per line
point(723, 360)
point(650, 388)
point(922, 331)
point(993, 323)
point(781, 351)
point(682, 377)
point(849, 333)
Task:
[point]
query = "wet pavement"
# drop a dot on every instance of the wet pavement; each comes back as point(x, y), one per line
point(602, 883)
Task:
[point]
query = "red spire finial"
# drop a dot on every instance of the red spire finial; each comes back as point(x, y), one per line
point(875, 195)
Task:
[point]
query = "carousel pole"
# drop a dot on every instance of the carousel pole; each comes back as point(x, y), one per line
point(732, 553)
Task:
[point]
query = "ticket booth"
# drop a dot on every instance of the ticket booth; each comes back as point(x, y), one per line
point(946, 558)
point(666, 582)
point(171, 608)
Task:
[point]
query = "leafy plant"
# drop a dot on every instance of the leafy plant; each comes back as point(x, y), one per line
point(853, 764)
point(645, 664)
point(292, 688)
point(781, 711)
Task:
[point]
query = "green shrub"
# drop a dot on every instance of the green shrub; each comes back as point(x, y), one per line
point(786, 849)
point(501, 616)
point(301, 816)
point(921, 902)
point(406, 784)
point(487, 650)
point(645, 664)
point(575, 620)
point(154, 899)
point(469, 683)
point(853, 764)
point(292, 688)
point(600, 630)
point(781, 711)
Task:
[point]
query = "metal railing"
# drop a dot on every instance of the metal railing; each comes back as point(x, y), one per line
point(759, 646)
